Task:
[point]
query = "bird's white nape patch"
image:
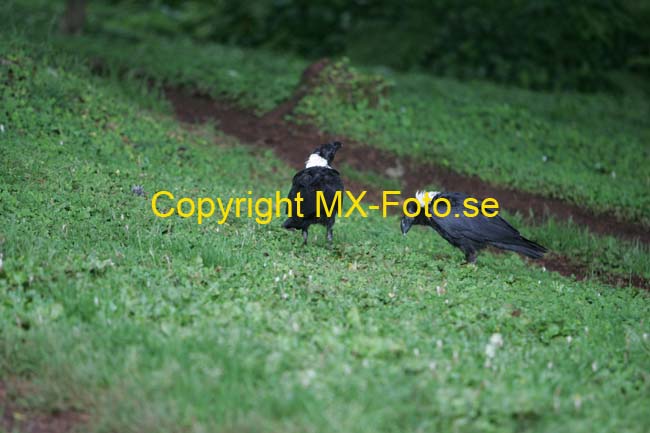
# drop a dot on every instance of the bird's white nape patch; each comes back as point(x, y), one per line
point(315, 160)
point(425, 197)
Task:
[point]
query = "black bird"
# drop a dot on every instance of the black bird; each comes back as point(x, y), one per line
point(468, 234)
point(318, 175)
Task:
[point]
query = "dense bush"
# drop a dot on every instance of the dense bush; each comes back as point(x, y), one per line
point(584, 44)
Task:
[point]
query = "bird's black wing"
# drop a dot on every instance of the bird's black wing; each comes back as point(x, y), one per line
point(479, 228)
point(310, 180)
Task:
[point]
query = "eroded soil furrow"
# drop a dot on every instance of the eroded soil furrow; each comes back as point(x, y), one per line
point(294, 142)
point(15, 418)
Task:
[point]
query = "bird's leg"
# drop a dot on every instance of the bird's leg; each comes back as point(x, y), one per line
point(470, 257)
point(305, 233)
point(330, 234)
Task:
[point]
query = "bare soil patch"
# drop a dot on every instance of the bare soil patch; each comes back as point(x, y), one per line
point(294, 142)
point(13, 417)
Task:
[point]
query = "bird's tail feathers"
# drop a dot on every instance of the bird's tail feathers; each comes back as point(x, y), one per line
point(525, 247)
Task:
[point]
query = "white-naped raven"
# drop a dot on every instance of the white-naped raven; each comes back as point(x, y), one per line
point(469, 234)
point(318, 175)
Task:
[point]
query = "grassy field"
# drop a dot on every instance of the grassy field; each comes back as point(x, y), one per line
point(587, 149)
point(260, 80)
point(164, 325)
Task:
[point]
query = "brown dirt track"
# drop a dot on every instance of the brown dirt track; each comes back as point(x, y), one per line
point(294, 142)
point(14, 418)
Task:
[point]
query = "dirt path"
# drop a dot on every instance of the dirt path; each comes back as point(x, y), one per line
point(294, 143)
point(14, 418)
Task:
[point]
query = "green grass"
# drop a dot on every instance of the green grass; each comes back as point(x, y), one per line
point(265, 79)
point(587, 149)
point(115, 42)
point(165, 325)
point(370, 178)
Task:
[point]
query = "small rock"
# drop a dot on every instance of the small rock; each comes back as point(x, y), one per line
point(138, 190)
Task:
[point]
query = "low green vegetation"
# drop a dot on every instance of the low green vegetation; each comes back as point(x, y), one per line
point(152, 324)
point(365, 106)
point(369, 178)
point(528, 44)
point(259, 80)
point(589, 150)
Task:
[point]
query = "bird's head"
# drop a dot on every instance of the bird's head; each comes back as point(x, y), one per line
point(414, 212)
point(323, 155)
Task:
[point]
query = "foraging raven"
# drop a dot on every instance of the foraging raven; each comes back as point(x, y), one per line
point(318, 175)
point(469, 234)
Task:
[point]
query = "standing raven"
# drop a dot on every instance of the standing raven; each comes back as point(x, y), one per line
point(318, 175)
point(469, 234)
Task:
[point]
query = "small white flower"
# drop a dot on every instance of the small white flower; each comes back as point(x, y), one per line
point(446, 301)
point(613, 175)
point(306, 377)
point(96, 301)
point(365, 363)
point(290, 272)
point(432, 365)
point(276, 279)
point(544, 158)
point(439, 344)
point(2, 128)
point(577, 402)
point(594, 366)
point(496, 339)
point(586, 330)
point(347, 369)
point(416, 352)
point(295, 326)
point(284, 295)
point(490, 350)
point(233, 73)
point(569, 339)
point(645, 334)
point(440, 291)
point(549, 365)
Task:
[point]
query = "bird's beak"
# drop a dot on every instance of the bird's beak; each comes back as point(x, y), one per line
point(406, 225)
